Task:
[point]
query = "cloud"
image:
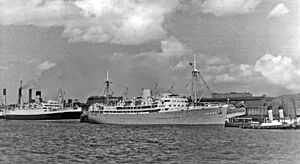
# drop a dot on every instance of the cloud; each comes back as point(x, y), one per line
point(46, 65)
point(279, 10)
point(279, 70)
point(36, 12)
point(216, 60)
point(120, 22)
point(229, 7)
point(225, 78)
point(246, 70)
point(172, 50)
point(181, 65)
point(172, 47)
point(18, 70)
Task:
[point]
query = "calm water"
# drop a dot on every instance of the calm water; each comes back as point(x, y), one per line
point(74, 142)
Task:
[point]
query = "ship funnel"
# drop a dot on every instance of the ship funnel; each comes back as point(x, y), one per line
point(29, 95)
point(270, 115)
point(20, 96)
point(4, 92)
point(281, 115)
point(4, 95)
point(280, 110)
point(38, 96)
point(146, 93)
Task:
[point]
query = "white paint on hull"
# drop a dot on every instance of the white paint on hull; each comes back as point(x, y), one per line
point(39, 111)
point(208, 116)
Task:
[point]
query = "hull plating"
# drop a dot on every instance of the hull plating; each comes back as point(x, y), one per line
point(58, 115)
point(211, 116)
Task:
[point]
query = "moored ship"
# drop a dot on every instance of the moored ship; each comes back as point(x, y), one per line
point(50, 110)
point(39, 110)
point(165, 108)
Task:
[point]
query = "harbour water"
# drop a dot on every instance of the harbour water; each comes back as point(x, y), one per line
point(74, 142)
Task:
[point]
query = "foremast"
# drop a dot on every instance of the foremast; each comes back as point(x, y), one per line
point(107, 89)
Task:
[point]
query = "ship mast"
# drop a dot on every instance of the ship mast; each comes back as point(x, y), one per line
point(294, 108)
point(107, 88)
point(196, 83)
point(61, 97)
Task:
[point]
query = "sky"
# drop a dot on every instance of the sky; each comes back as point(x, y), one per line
point(241, 45)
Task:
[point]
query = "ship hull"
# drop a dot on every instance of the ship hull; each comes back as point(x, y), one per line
point(38, 115)
point(209, 116)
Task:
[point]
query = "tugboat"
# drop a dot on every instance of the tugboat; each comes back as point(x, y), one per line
point(163, 109)
point(271, 123)
point(39, 110)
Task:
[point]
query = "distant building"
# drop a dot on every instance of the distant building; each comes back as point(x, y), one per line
point(232, 95)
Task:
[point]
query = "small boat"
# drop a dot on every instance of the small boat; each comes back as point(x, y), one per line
point(240, 122)
point(270, 123)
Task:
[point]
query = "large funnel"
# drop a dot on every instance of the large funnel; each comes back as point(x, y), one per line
point(146, 93)
point(38, 96)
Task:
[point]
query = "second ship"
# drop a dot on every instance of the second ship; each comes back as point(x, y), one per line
point(40, 110)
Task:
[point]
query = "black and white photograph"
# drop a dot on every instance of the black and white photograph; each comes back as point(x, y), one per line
point(150, 81)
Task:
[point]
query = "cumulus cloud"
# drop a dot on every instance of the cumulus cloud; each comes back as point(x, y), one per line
point(46, 65)
point(20, 70)
point(114, 21)
point(279, 10)
point(245, 70)
point(280, 70)
point(36, 12)
point(229, 7)
point(171, 50)
point(172, 47)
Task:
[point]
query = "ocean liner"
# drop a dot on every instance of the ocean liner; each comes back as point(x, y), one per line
point(164, 108)
point(39, 110)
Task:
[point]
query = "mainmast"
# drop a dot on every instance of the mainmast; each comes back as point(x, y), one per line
point(194, 78)
point(196, 83)
point(61, 97)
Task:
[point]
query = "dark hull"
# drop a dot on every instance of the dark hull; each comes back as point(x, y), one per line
point(48, 116)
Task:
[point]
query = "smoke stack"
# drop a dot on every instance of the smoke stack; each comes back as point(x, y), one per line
point(38, 96)
point(4, 95)
point(4, 92)
point(20, 95)
point(281, 115)
point(280, 110)
point(29, 95)
point(270, 115)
